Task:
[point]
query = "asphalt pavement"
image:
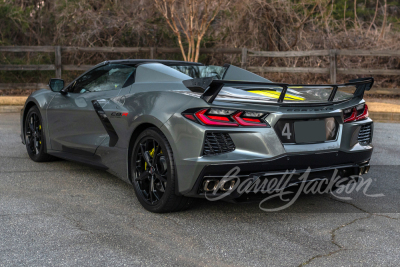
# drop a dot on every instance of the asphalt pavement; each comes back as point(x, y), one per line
point(67, 214)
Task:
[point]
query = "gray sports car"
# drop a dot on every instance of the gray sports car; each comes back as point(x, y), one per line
point(173, 129)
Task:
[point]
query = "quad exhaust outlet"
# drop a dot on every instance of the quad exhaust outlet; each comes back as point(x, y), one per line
point(215, 184)
point(364, 169)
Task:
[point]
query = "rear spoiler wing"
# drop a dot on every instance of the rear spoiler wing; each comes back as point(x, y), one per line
point(210, 88)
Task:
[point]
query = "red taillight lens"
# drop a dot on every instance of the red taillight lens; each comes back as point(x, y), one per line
point(224, 117)
point(248, 121)
point(190, 117)
point(252, 120)
point(218, 118)
point(357, 113)
point(352, 117)
point(214, 122)
point(364, 114)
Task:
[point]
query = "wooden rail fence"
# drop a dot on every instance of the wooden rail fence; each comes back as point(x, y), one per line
point(245, 53)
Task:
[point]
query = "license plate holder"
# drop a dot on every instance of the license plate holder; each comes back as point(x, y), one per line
point(310, 131)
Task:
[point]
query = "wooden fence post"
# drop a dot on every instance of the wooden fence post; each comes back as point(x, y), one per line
point(333, 65)
point(58, 61)
point(152, 52)
point(244, 58)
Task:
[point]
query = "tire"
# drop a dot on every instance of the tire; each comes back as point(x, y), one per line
point(35, 139)
point(155, 182)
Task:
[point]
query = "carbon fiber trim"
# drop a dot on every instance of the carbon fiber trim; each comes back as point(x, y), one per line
point(106, 123)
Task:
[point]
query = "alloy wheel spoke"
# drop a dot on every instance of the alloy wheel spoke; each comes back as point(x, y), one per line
point(161, 178)
point(155, 193)
point(145, 193)
point(151, 188)
point(143, 176)
point(147, 158)
point(163, 186)
point(29, 141)
point(155, 155)
point(35, 145)
point(141, 149)
point(31, 126)
point(145, 155)
point(34, 121)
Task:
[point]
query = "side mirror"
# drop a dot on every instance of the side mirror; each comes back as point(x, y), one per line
point(56, 85)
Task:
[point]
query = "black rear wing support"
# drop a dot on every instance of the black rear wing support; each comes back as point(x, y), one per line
point(210, 88)
point(362, 85)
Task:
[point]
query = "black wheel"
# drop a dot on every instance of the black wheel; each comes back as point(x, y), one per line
point(153, 173)
point(34, 136)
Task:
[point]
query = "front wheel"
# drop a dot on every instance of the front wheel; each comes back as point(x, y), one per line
point(153, 173)
point(35, 136)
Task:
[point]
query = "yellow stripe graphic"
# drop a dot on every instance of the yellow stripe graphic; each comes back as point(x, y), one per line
point(275, 94)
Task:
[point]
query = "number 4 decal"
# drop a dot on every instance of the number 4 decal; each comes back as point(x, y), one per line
point(286, 131)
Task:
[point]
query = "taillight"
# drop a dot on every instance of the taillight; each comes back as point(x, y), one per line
point(356, 113)
point(362, 113)
point(248, 121)
point(214, 120)
point(218, 118)
point(190, 117)
point(349, 114)
point(226, 117)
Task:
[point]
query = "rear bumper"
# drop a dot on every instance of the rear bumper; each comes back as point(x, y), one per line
point(260, 149)
point(322, 165)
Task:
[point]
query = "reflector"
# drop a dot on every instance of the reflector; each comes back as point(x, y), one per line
point(190, 117)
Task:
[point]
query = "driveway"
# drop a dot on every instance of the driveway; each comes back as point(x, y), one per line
point(64, 213)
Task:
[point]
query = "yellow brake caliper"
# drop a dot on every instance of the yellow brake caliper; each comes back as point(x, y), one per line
point(151, 155)
point(40, 128)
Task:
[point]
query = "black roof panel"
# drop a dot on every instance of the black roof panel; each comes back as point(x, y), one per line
point(165, 62)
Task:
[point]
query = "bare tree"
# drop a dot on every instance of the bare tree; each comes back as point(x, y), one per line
point(384, 22)
point(192, 18)
point(355, 14)
point(373, 20)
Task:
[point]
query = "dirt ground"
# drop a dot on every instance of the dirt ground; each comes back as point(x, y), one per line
point(383, 104)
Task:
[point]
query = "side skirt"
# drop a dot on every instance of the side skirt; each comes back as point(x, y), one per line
point(92, 160)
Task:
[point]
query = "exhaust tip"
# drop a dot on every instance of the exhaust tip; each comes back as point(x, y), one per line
point(210, 185)
point(361, 171)
point(227, 185)
point(366, 170)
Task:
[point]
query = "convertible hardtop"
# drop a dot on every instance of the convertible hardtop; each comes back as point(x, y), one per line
point(237, 84)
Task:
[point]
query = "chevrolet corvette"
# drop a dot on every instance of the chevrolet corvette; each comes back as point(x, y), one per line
point(174, 129)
